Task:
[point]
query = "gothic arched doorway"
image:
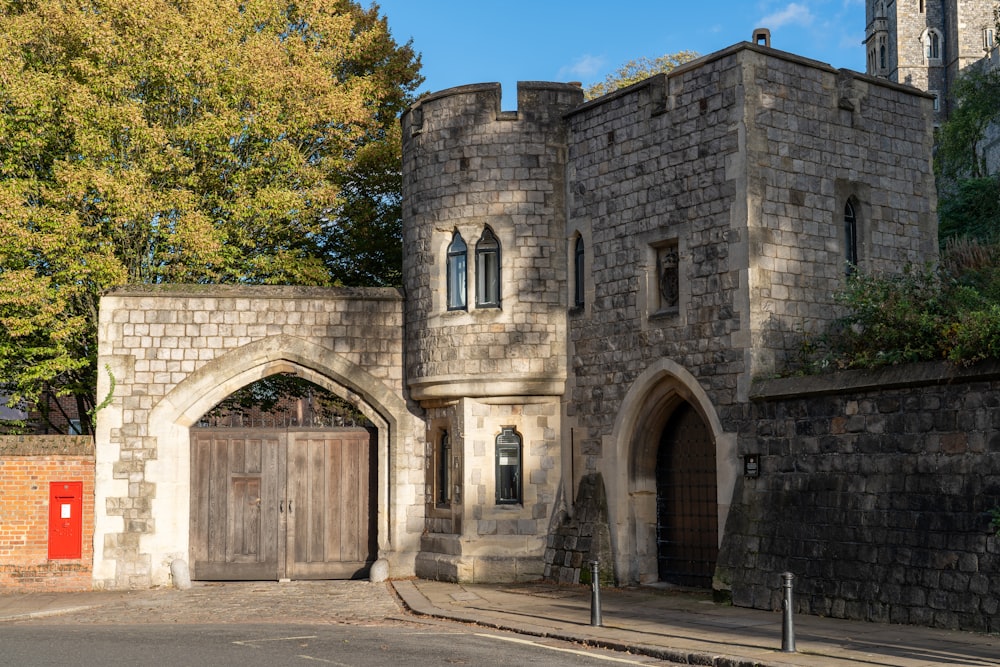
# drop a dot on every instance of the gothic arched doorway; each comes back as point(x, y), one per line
point(687, 529)
point(283, 477)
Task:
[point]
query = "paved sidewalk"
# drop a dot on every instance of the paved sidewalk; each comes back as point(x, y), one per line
point(680, 627)
point(691, 629)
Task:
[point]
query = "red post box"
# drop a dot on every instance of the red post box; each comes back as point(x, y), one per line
point(65, 520)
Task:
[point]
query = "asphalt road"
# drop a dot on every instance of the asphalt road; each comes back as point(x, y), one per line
point(271, 645)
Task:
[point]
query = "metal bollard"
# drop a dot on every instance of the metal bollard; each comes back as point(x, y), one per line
point(787, 629)
point(595, 593)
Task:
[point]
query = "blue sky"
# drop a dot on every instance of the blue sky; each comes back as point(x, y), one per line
point(476, 41)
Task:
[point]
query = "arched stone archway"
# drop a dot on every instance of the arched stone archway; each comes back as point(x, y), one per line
point(170, 364)
point(648, 406)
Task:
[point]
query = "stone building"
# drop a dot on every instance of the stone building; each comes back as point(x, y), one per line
point(928, 43)
point(591, 290)
point(600, 283)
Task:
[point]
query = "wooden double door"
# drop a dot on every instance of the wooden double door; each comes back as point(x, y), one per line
point(277, 504)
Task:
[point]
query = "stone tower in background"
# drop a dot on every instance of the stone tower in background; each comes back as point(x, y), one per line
point(927, 43)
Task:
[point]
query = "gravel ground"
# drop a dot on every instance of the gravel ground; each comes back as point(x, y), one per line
point(350, 602)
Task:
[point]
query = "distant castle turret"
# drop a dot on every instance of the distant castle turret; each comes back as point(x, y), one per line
point(927, 43)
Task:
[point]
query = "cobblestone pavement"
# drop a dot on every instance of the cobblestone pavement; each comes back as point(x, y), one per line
point(351, 602)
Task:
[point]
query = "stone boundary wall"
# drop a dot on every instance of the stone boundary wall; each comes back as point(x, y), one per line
point(875, 491)
point(27, 465)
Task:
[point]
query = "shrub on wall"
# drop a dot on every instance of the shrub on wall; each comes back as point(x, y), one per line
point(950, 311)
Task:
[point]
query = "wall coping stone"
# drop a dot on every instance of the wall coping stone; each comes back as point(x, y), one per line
point(46, 445)
point(656, 79)
point(890, 377)
point(262, 292)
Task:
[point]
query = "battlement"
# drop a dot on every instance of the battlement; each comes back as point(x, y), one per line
point(479, 103)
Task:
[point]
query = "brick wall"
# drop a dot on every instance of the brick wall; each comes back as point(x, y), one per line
point(27, 465)
point(875, 491)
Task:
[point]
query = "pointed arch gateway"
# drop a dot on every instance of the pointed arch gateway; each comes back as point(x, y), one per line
point(284, 503)
point(672, 486)
point(175, 474)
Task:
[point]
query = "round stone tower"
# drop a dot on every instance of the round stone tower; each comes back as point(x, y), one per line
point(472, 169)
point(485, 273)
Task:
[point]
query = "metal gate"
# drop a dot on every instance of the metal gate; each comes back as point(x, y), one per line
point(687, 521)
point(270, 504)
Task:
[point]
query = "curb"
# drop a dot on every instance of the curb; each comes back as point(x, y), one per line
point(45, 614)
point(416, 603)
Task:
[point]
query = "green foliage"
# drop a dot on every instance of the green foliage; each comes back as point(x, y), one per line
point(362, 243)
point(278, 399)
point(976, 104)
point(951, 312)
point(970, 207)
point(995, 520)
point(636, 70)
point(150, 141)
point(891, 319)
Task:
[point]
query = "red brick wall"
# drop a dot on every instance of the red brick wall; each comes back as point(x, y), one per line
point(27, 465)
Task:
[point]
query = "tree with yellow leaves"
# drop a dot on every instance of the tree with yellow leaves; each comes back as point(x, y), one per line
point(636, 70)
point(151, 141)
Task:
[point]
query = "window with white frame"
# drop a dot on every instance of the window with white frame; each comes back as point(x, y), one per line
point(456, 270)
point(488, 270)
point(508, 467)
point(932, 45)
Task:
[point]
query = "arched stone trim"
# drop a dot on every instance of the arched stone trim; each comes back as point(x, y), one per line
point(211, 383)
point(631, 475)
point(173, 415)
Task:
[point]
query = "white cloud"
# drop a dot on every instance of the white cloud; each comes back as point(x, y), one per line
point(586, 68)
point(794, 13)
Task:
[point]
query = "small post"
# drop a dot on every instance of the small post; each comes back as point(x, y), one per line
point(787, 629)
point(595, 593)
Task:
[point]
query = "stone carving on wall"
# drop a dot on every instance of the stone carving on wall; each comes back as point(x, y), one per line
point(667, 269)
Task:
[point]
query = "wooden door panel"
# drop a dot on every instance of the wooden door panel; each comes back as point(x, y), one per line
point(244, 524)
point(235, 493)
point(354, 517)
point(329, 526)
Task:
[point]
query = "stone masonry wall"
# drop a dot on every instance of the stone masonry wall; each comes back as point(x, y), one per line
point(744, 161)
point(469, 166)
point(875, 491)
point(492, 542)
point(913, 68)
point(966, 20)
point(575, 542)
point(819, 140)
point(27, 465)
point(649, 167)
